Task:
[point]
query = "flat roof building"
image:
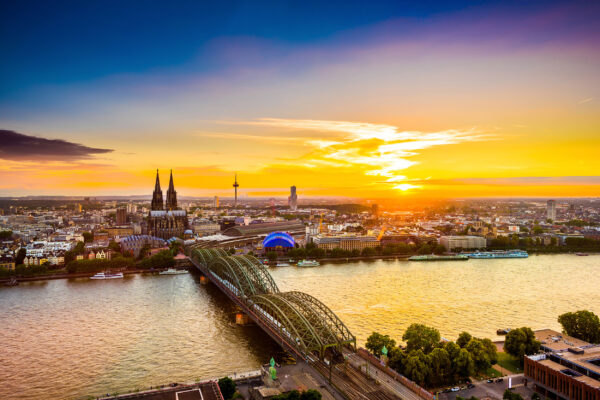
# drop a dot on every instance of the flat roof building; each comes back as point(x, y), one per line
point(264, 228)
point(569, 370)
point(345, 242)
point(462, 242)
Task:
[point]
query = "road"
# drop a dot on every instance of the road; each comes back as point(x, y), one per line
point(493, 390)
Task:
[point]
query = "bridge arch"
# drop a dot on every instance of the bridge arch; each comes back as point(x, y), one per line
point(304, 320)
point(205, 256)
point(246, 273)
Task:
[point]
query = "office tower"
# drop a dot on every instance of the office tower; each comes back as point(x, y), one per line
point(551, 210)
point(293, 199)
point(121, 216)
point(216, 202)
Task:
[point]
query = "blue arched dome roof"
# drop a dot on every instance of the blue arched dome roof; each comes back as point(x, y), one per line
point(276, 239)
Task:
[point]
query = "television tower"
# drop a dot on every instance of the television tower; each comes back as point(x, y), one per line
point(235, 186)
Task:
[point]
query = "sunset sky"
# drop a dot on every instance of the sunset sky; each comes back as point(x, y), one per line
point(360, 99)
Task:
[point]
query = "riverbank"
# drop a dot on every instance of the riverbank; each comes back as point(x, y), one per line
point(74, 275)
point(349, 259)
point(404, 256)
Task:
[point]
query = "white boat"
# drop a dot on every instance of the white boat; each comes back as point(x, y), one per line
point(308, 263)
point(283, 264)
point(107, 275)
point(173, 271)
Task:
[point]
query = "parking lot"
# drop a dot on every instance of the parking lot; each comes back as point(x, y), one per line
point(494, 390)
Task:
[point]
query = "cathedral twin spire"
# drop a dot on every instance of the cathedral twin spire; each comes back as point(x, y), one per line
point(157, 196)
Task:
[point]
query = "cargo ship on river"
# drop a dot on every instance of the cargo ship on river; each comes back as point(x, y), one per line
point(433, 257)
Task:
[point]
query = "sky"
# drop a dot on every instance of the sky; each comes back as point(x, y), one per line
point(357, 99)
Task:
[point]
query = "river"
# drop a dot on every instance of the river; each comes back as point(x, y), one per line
point(66, 339)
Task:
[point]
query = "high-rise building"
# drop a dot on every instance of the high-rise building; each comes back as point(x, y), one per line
point(121, 216)
point(131, 208)
point(293, 199)
point(157, 195)
point(216, 202)
point(551, 210)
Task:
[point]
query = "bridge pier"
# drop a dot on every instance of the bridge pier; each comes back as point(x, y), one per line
point(242, 319)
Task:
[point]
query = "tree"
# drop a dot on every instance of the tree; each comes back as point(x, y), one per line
point(521, 341)
point(491, 350)
point(479, 354)
point(376, 341)
point(439, 249)
point(69, 256)
point(114, 246)
point(88, 237)
point(463, 364)
point(79, 247)
point(311, 394)
point(417, 367)
point(452, 349)
point(421, 337)
point(397, 359)
point(463, 339)
point(20, 256)
point(510, 395)
point(368, 251)
point(227, 386)
point(5, 235)
point(272, 256)
point(440, 366)
point(582, 324)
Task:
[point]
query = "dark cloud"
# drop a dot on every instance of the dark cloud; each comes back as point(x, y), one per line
point(18, 146)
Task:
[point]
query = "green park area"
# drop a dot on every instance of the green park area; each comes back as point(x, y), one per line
point(509, 362)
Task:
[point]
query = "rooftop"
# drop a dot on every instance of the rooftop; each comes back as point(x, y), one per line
point(257, 229)
point(556, 341)
point(583, 366)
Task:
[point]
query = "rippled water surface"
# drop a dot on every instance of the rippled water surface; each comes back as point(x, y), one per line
point(66, 339)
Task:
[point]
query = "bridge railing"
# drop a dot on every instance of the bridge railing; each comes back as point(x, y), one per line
point(363, 353)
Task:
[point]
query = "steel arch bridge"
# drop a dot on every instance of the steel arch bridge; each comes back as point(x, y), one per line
point(295, 319)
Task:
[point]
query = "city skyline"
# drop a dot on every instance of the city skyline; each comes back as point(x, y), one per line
point(385, 100)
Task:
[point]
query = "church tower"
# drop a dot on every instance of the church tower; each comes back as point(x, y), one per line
point(171, 195)
point(157, 197)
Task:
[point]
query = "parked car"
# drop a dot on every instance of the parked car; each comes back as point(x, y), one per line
point(499, 380)
point(455, 389)
point(470, 386)
point(490, 381)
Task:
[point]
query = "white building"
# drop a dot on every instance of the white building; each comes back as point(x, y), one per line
point(462, 242)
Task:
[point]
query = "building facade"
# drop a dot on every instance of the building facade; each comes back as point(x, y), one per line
point(121, 216)
point(346, 242)
point(166, 221)
point(570, 375)
point(462, 242)
point(133, 244)
point(551, 210)
point(293, 199)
